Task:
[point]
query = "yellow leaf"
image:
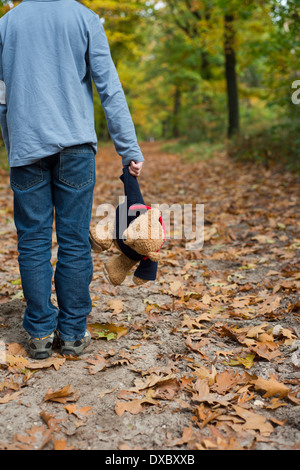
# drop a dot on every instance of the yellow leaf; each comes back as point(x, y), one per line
point(107, 330)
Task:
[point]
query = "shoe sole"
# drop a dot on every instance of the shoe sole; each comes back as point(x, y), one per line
point(68, 350)
point(40, 355)
point(41, 351)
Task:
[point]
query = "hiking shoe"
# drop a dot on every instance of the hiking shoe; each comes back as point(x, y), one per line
point(75, 348)
point(41, 348)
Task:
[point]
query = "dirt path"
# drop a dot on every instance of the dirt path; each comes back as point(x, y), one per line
point(207, 357)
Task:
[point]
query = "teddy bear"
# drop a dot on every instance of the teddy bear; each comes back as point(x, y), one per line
point(137, 231)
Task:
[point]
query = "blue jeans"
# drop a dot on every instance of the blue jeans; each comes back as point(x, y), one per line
point(62, 184)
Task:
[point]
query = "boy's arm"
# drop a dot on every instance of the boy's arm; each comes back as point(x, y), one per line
point(135, 168)
point(3, 107)
point(107, 82)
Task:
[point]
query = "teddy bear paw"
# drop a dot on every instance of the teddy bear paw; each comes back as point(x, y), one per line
point(138, 281)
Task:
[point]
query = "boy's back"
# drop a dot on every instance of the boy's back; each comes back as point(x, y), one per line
point(50, 51)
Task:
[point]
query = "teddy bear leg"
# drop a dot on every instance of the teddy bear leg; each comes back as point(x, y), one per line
point(117, 267)
point(101, 236)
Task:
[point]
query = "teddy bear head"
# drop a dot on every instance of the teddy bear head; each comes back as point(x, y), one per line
point(146, 234)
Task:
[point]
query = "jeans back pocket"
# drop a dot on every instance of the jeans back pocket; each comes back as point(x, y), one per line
point(27, 176)
point(77, 166)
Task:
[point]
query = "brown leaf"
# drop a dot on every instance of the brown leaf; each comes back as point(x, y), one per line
point(73, 409)
point(35, 438)
point(50, 420)
point(16, 349)
point(262, 350)
point(98, 364)
point(153, 380)
point(134, 407)
point(196, 346)
point(56, 362)
point(10, 397)
point(116, 305)
point(254, 421)
point(61, 444)
point(271, 387)
point(63, 395)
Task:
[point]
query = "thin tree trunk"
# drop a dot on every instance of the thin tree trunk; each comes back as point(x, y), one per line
point(231, 76)
point(176, 109)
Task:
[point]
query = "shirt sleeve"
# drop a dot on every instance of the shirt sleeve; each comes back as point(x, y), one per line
point(3, 106)
point(109, 88)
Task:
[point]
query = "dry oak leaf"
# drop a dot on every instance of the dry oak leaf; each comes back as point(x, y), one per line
point(188, 436)
point(22, 363)
point(271, 387)
point(35, 438)
point(63, 395)
point(109, 331)
point(16, 349)
point(204, 373)
point(224, 381)
point(196, 346)
point(270, 304)
point(98, 364)
point(134, 407)
point(153, 380)
point(202, 394)
point(72, 409)
point(116, 305)
point(50, 420)
point(10, 360)
point(10, 397)
point(265, 350)
point(166, 390)
point(9, 385)
point(61, 444)
point(254, 421)
point(56, 362)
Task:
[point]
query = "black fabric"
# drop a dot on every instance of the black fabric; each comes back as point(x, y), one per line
point(147, 269)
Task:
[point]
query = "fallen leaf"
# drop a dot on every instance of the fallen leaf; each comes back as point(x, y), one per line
point(134, 407)
point(79, 412)
point(10, 397)
point(56, 362)
point(110, 331)
point(35, 438)
point(98, 364)
point(61, 444)
point(63, 395)
point(254, 421)
point(271, 387)
point(116, 305)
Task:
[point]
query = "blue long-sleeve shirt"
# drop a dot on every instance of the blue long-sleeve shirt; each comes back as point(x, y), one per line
point(50, 53)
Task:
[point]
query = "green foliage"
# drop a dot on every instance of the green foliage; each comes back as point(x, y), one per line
point(170, 59)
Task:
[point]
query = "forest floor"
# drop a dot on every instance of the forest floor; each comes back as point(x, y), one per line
point(207, 357)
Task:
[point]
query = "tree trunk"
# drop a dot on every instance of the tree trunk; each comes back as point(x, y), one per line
point(176, 109)
point(231, 77)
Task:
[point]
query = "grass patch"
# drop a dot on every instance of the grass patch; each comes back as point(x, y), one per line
point(194, 151)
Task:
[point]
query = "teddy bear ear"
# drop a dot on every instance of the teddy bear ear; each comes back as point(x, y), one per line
point(154, 255)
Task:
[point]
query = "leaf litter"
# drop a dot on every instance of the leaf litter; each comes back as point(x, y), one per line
point(205, 358)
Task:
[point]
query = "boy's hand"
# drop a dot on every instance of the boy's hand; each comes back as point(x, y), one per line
point(135, 168)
